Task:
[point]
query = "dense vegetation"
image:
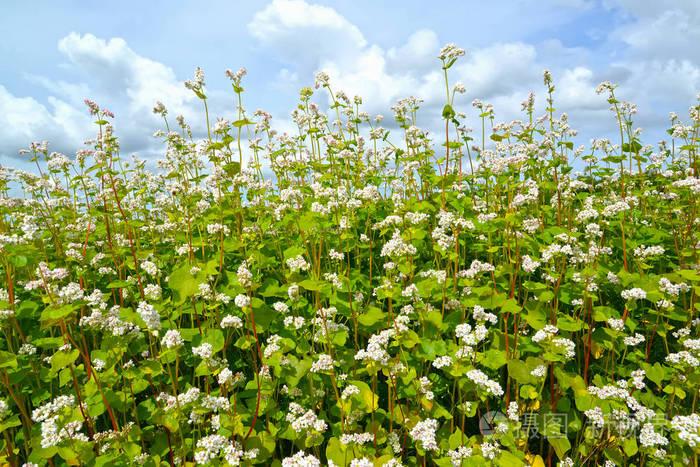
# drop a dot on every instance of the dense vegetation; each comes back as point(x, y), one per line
point(346, 296)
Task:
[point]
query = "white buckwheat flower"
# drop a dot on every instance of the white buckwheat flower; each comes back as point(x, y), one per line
point(242, 300)
point(230, 321)
point(298, 263)
point(301, 460)
point(172, 339)
point(424, 433)
point(324, 362)
point(634, 294)
point(480, 379)
point(149, 315)
point(204, 351)
point(442, 362)
point(616, 324)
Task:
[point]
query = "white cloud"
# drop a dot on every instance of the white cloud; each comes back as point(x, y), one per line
point(659, 66)
point(667, 34)
point(24, 119)
point(301, 33)
point(576, 91)
point(116, 77)
point(71, 92)
point(417, 54)
point(382, 76)
point(655, 62)
point(499, 69)
point(116, 69)
point(501, 73)
point(370, 77)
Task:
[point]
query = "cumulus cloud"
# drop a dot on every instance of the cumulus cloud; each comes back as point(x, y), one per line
point(120, 73)
point(651, 53)
point(667, 35)
point(660, 29)
point(499, 69)
point(24, 119)
point(112, 74)
point(299, 32)
point(656, 59)
point(129, 84)
point(417, 54)
point(501, 73)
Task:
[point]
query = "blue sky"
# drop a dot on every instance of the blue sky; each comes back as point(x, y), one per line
point(128, 54)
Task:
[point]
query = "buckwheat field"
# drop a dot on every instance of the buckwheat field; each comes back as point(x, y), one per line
point(346, 295)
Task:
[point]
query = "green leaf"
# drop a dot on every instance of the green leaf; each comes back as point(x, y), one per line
point(535, 317)
point(519, 371)
point(62, 359)
point(506, 459)
point(528, 392)
point(448, 112)
point(293, 252)
point(369, 399)
point(183, 283)
point(655, 373)
point(689, 275)
point(263, 315)
point(241, 123)
point(18, 260)
point(7, 360)
point(511, 306)
point(372, 316)
point(629, 445)
point(493, 358)
point(456, 439)
point(676, 390)
point(310, 284)
point(55, 314)
point(566, 323)
point(435, 318)
point(245, 342)
point(215, 337)
point(11, 422)
point(338, 452)
point(561, 445)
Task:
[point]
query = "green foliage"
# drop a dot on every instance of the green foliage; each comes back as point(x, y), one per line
point(352, 296)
